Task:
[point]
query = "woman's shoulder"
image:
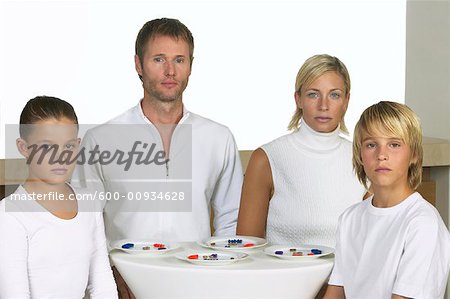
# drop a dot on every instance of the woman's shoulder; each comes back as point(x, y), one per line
point(277, 142)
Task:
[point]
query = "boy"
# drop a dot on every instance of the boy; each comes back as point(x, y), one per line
point(394, 244)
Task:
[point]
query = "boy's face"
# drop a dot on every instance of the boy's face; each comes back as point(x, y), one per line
point(386, 161)
point(48, 148)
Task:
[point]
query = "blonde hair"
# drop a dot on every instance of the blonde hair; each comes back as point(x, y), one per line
point(313, 68)
point(396, 120)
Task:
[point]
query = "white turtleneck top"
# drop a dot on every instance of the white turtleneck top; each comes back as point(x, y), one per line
point(313, 184)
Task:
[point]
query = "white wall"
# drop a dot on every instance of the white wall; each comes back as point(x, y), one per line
point(247, 54)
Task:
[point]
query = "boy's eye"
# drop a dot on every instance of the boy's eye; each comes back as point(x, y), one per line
point(395, 145)
point(370, 145)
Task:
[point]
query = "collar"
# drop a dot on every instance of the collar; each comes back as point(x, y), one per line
point(147, 121)
point(317, 141)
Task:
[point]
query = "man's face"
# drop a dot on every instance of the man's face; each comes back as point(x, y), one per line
point(165, 68)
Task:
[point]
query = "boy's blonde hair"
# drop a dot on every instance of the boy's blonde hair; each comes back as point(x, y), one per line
point(394, 120)
point(313, 68)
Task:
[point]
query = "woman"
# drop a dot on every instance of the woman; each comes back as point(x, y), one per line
point(296, 186)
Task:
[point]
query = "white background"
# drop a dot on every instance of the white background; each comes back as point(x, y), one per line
point(247, 54)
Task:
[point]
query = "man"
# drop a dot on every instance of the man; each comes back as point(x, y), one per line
point(198, 163)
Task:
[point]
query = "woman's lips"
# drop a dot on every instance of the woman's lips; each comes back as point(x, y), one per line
point(323, 119)
point(382, 169)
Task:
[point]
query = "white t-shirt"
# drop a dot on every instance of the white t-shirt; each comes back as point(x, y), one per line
point(403, 250)
point(203, 156)
point(43, 256)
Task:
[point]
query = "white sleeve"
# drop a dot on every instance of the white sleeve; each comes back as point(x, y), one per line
point(101, 282)
point(336, 276)
point(13, 257)
point(416, 262)
point(227, 193)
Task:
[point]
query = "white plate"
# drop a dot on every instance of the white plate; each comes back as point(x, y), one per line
point(233, 243)
point(149, 247)
point(211, 258)
point(286, 252)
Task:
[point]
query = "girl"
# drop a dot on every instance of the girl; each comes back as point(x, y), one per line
point(51, 245)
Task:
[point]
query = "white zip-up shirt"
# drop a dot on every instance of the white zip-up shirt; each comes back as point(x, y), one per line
point(146, 199)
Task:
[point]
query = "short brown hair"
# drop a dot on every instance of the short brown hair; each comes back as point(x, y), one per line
point(163, 27)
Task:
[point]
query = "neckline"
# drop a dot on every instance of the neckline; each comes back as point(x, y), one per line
point(40, 208)
point(391, 210)
point(312, 140)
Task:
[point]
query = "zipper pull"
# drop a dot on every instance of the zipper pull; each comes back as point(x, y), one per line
point(167, 168)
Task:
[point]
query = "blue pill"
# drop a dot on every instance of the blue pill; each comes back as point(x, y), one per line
point(279, 252)
point(316, 251)
point(127, 245)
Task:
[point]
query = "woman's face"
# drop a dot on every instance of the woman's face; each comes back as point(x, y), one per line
point(323, 102)
point(51, 149)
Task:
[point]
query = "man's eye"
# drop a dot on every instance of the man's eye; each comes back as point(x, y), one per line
point(158, 59)
point(179, 60)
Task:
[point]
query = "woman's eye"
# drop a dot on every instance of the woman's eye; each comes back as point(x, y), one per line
point(335, 95)
point(312, 95)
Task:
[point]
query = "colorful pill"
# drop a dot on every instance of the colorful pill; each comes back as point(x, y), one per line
point(297, 253)
point(316, 251)
point(249, 245)
point(193, 257)
point(146, 248)
point(279, 252)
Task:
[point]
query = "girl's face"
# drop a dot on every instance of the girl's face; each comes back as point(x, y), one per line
point(50, 148)
point(323, 102)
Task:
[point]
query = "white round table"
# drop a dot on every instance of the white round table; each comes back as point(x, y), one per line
point(258, 276)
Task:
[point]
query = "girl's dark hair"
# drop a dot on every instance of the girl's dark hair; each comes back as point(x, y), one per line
point(43, 107)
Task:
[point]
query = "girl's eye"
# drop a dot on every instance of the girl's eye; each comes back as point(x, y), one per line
point(45, 146)
point(70, 146)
